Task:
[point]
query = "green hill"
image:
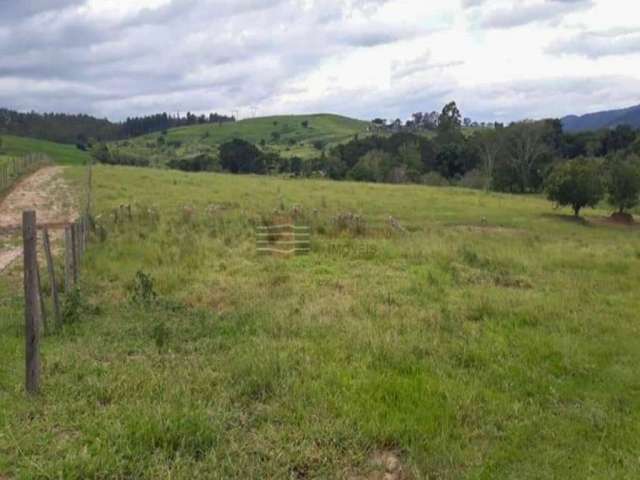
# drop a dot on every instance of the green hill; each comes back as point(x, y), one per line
point(289, 135)
point(64, 154)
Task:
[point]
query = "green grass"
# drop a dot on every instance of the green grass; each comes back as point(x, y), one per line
point(497, 339)
point(294, 139)
point(62, 154)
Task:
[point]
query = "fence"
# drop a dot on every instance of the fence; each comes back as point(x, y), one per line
point(13, 168)
point(76, 237)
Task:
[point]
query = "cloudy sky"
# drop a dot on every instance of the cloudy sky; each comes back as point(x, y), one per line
point(499, 59)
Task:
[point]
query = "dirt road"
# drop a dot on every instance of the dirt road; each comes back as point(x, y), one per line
point(46, 192)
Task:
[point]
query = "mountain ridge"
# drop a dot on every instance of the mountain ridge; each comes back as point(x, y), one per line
point(603, 119)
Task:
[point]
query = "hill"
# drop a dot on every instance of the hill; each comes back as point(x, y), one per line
point(289, 135)
point(490, 333)
point(601, 120)
point(61, 153)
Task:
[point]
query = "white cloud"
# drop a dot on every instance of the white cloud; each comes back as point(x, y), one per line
point(501, 59)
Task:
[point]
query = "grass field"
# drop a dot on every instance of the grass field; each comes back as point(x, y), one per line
point(291, 137)
point(497, 338)
point(61, 153)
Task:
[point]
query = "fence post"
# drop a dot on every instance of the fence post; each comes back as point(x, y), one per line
point(52, 279)
point(74, 252)
point(31, 304)
point(68, 260)
point(43, 312)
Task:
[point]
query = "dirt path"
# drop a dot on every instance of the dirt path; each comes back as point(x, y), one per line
point(48, 194)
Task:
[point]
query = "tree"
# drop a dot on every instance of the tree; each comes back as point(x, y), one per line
point(409, 158)
point(0, 144)
point(449, 123)
point(489, 144)
point(576, 183)
point(619, 138)
point(239, 156)
point(372, 167)
point(100, 152)
point(526, 151)
point(623, 184)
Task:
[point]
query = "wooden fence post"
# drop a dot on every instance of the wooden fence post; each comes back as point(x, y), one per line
point(31, 303)
point(52, 279)
point(74, 252)
point(43, 312)
point(68, 260)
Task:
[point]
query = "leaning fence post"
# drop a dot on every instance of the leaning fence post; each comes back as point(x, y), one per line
point(43, 312)
point(32, 312)
point(52, 278)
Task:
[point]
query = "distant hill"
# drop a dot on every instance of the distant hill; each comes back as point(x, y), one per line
point(61, 153)
point(288, 135)
point(599, 120)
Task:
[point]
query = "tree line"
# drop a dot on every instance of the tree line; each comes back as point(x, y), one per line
point(522, 157)
point(81, 129)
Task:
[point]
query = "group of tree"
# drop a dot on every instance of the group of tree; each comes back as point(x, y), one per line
point(84, 129)
point(580, 183)
point(424, 121)
point(136, 126)
point(523, 157)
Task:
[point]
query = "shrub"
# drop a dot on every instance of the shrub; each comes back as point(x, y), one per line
point(319, 144)
point(143, 292)
point(576, 183)
point(195, 163)
point(474, 179)
point(434, 179)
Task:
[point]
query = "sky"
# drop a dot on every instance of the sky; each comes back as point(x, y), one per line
point(500, 60)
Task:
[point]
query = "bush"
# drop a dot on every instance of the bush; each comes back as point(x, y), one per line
point(196, 163)
point(474, 179)
point(122, 158)
point(576, 183)
point(434, 179)
point(373, 166)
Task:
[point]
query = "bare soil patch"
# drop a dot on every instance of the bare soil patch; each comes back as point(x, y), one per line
point(46, 192)
point(622, 218)
point(385, 465)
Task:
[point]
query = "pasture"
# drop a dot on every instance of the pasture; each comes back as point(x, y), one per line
point(61, 153)
point(286, 135)
point(494, 338)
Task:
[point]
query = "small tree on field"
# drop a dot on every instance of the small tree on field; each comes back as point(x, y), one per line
point(576, 183)
point(624, 183)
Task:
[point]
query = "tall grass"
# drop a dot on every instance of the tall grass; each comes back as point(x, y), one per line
point(495, 339)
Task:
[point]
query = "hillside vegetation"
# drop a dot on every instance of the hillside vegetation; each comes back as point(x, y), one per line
point(603, 120)
point(291, 135)
point(60, 153)
point(494, 338)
